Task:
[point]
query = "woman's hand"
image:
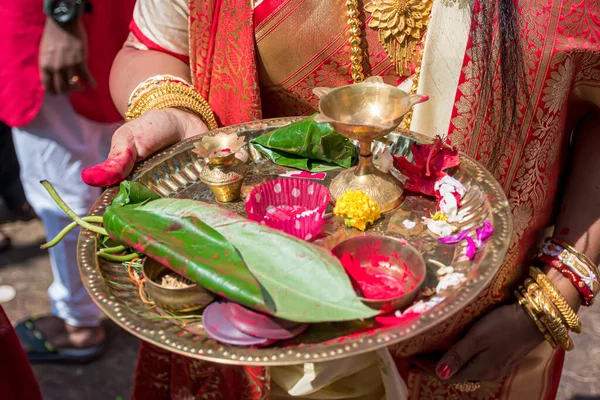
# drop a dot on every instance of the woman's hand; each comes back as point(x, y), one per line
point(139, 139)
point(491, 348)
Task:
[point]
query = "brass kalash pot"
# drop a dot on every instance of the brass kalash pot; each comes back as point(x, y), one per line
point(223, 172)
point(364, 112)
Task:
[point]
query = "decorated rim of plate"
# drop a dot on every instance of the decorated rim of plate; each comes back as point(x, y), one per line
point(170, 336)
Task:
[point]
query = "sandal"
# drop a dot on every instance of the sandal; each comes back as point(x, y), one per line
point(4, 242)
point(42, 350)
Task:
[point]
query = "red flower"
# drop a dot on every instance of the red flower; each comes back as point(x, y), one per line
point(429, 164)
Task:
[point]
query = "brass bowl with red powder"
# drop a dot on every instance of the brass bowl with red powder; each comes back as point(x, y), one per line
point(387, 272)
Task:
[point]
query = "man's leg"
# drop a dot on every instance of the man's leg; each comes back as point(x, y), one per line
point(57, 146)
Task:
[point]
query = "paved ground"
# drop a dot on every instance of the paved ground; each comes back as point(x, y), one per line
point(27, 269)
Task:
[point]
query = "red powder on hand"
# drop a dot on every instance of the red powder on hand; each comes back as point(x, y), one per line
point(111, 171)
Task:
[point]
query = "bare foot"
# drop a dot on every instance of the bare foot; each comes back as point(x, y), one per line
point(62, 335)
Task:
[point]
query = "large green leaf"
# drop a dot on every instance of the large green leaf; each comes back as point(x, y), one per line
point(305, 282)
point(307, 145)
point(189, 247)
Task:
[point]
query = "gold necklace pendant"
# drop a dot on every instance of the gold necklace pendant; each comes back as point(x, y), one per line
point(400, 24)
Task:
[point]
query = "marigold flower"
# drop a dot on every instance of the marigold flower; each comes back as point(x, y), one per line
point(358, 209)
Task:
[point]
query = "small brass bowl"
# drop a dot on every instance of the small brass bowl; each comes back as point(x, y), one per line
point(399, 253)
point(179, 300)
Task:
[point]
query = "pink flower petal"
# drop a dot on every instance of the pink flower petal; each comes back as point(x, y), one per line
point(453, 239)
point(484, 231)
point(471, 248)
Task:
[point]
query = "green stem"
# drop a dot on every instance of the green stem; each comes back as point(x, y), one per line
point(112, 257)
point(94, 218)
point(112, 250)
point(60, 236)
point(63, 206)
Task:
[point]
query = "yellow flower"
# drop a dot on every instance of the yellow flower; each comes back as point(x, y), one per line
point(357, 208)
point(439, 216)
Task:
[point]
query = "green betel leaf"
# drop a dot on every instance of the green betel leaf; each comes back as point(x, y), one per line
point(294, 161)
point(305, 282)
point(189, 247)
point(307, 145)
point(133, 193)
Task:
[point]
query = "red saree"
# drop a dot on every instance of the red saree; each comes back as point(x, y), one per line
point(267, 68)
point(16, 377)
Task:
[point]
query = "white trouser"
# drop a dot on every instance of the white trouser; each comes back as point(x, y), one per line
point(56, 146)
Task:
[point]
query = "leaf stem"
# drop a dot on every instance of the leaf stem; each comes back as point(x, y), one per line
point(60, 236)
point(94, 218)
point(112, 250)
point(112, 257)
point(63, 206)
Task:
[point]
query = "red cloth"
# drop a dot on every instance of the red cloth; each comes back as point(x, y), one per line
point(17, 381)
point(21, 30)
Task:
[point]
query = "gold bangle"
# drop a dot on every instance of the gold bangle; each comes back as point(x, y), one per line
point(150, 83)
point(170, 94)
point(541, 327)
point(548, 315)
point(566, 312)
point(582, 257)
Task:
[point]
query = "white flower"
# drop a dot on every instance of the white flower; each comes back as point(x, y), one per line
point(383, 161)
point(445, 271)
point(448, 184)
point(439, 227)
point(450, 281)
point(408, 224)
point(422, 306)
point(449, 207)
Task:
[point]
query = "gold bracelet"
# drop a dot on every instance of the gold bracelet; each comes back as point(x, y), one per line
point(547, 314)
point(150, 83)
point(170, 94)
point(541, 327)
point(579, 255)
point(566, 312)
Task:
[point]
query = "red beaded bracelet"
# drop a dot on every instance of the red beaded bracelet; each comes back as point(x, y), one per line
point(576, 280)
point(582, 276)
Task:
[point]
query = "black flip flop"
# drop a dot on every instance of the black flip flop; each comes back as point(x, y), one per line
point(43, 351)
point(5, 241)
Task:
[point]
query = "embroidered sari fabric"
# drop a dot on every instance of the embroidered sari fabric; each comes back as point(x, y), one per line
point(262, 60)
point(16, 377)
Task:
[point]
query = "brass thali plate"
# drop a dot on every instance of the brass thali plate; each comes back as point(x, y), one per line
point(174, 173)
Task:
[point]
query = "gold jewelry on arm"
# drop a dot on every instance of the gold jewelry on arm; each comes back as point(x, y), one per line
point(559, 301)
point(545, 311)
point(159, 93)
point(579, 255)
point(527, 307)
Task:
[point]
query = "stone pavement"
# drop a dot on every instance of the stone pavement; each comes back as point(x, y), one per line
point(27, 269)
